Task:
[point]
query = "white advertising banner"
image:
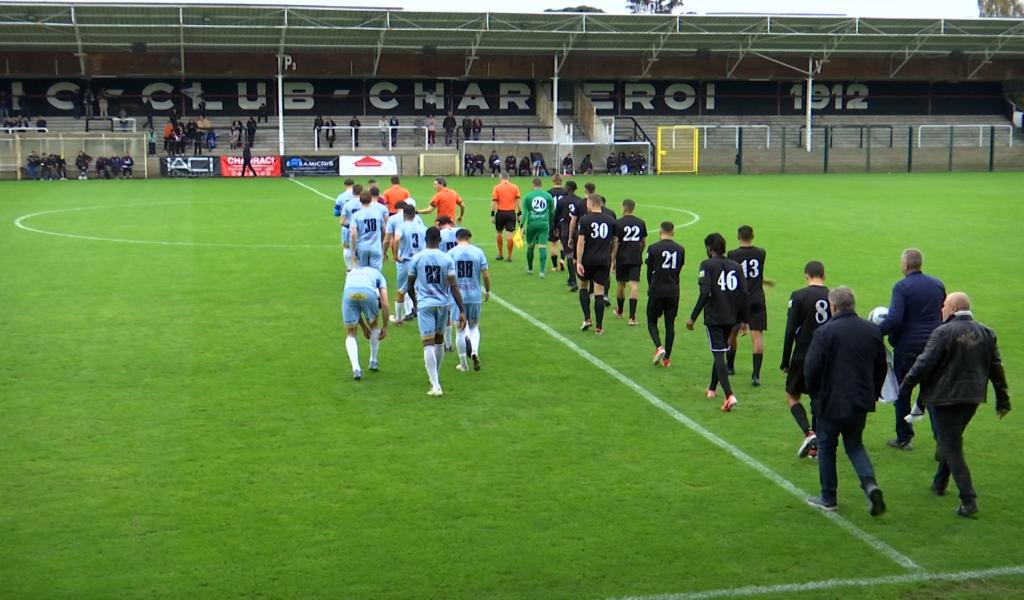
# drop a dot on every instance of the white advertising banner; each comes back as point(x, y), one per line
point(367, 165)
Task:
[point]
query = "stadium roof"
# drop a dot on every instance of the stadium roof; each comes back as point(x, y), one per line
point(219, 28)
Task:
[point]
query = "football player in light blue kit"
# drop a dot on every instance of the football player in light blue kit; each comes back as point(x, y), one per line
point(347, 210)
point(364, 300)
point(470, 269)
point(448, 230)
point(394, 221)
point(410, 240)
point(343, 197)
point(367, 228)
point(431, 281)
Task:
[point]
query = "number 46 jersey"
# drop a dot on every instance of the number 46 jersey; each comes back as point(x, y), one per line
point(723, 292)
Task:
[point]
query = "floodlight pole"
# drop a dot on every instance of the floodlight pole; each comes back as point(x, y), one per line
point(280, 104)
point(554, 102)
point(810, 95)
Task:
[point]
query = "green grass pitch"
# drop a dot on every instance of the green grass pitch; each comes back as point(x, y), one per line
point(178, 419)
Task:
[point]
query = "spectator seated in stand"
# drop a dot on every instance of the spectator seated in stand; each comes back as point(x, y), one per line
point(41, 125)
point(510, 165)
point(540, 168)
point(479, 162)
point(641, 161)
point(469, 165)
point(612, 164)
point(82, 164)
point(494, 161)
point(623, 161)
point(634, 163)
point(586, 166)
point(33, 166)
point(568, 168)
point(127, 164)
point(524, 166)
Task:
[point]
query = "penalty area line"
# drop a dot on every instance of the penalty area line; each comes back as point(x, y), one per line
point(310, 188)
point(872, 541)
point(831, 584)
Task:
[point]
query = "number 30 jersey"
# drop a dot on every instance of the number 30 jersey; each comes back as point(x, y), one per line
point(598, 230)
point(808, 310)
point(723, 292)
point(432, 268)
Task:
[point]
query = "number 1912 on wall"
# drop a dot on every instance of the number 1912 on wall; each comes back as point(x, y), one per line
point(855, 98)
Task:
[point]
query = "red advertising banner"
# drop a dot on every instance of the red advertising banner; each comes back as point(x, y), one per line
point(264, 166)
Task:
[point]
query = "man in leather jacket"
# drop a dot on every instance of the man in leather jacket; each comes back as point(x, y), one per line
point(954, 369)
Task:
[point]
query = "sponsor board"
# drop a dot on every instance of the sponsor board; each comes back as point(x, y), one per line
point(310, 165)
point(264, 166)
point(190, 166)
point(368, 165)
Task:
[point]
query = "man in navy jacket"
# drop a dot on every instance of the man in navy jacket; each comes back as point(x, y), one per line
point(914, 312)
point(844, 371)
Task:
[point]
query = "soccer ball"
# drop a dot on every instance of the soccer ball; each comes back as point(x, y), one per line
point(878, 314)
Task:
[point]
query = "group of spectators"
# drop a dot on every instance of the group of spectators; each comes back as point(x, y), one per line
point(55, 167)
point(623, 164)
point(22, 123)
point(243, 134)
point(46, 166)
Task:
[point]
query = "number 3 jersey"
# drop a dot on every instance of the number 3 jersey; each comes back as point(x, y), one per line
point(597, 230)
point(432, 268)
point(808, 310)
point(723, 292)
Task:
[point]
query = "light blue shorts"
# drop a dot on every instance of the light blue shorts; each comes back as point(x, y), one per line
point(370, 257)
point(402, 280)
point(432, 320)
point(472, 312)
point(359, 301)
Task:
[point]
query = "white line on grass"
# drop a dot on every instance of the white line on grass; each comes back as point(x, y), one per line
point(880, 546)
point(695, 216)
point(311, 188)
point(829, 584)
point(877, 544)
point(20, 224)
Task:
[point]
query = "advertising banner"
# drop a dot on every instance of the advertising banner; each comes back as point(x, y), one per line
point(310, 165)
point(190, 166)
point(368, 165)
point(264, 166)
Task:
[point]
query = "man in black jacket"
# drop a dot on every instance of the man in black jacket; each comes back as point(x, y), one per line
point(958, 361)
point(844, 371)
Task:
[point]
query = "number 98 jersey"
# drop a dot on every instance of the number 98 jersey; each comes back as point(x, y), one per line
point(598, 230)
point(723, 292)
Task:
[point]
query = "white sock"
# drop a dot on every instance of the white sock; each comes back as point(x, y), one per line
point(353, 352)
point(460, 343)
point(430, 360)
point(408, 306)
point(399, 310)
point(474, 338)
point(439, 355)
point(374, 344)
point(447, 336)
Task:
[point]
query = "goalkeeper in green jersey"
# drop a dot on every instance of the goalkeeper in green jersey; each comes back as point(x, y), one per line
point(538, 213)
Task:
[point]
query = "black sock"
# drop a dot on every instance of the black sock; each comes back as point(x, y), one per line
point(585, 303)
point(730, 358)
point(800, 416)
point(620, 302)
point(632, 308)
point(652, 329)
point(598, 310)
point(723, 373)
point(554, 260)
point(758, 358)
point(670, 335)
point(714, 373)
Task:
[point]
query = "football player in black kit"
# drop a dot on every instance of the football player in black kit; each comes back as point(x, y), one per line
point(632, 234)
point(665, 260)
point(723, 299)
point(568, 208)
point(595, 247)
point(751, 260)
point(808, 310)
point(557, 192)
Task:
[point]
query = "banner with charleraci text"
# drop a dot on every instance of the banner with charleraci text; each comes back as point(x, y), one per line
point(262, 166)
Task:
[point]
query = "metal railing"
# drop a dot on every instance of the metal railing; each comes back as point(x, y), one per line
point(981, 132)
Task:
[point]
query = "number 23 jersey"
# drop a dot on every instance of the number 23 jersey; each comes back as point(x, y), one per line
point(432, 268)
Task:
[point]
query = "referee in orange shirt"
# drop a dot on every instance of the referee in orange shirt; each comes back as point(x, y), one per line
point(395, 194)
point(506, 209)
point(444, 202)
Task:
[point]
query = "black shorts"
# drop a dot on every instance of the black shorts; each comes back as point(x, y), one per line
point(795, 378)
point(624, 273)
point(758, 318)
point(505, 220)
point(563, 234)
point(718, 337)
point(597, 274)
point(662, 307)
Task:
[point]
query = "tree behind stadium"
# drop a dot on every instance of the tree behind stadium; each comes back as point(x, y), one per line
point(1000, 8)
point(653, 7)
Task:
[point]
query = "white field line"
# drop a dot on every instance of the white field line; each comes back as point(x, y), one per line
point(312, 189)
point(875, 543)
point(695, 216)
point(20, 224)
point(830, 584)
point(872, 541)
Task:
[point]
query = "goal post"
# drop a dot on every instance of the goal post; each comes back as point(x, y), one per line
point(553, 154)
point(68, 145)
point(678, 149)
point(435, 164)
